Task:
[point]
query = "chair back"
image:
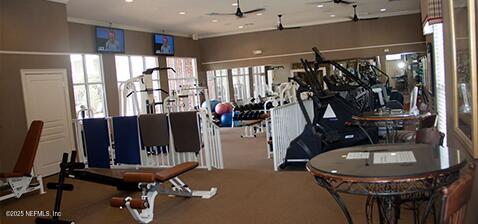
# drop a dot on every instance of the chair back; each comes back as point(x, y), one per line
point(26, 158)
point(455, 198)
point(428, 122)
point(429, 136)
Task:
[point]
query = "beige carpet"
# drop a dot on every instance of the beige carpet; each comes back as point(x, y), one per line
point(249, 192)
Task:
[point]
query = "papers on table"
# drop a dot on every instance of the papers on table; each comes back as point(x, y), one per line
point(394, 157)
point(358, 155)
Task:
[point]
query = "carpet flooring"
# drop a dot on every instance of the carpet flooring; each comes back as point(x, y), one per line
point(249, 192)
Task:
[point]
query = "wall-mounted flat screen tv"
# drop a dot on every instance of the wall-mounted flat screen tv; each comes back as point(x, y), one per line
point(163, 44)
point(109, 40)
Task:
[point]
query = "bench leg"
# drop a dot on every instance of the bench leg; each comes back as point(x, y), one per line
point(144, 215)
point(182, 189)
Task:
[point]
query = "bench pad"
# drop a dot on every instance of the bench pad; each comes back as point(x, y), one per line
point(139, 177)
point(160, 176)
point(175, 171)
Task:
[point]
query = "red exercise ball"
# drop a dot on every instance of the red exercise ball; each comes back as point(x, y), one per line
point(229, 107)
point(221, 108)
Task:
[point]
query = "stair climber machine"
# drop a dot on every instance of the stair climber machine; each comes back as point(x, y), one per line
point(331, 126)
point(379, 81)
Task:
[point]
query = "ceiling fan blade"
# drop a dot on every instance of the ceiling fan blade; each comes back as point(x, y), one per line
point(347, 2)
point(292, 28)
point(321, 2)
point(221, 14)
point(372, 18)
point(255, 10)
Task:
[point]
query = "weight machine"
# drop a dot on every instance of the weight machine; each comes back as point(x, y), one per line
point(133, 86)
point(181, 100)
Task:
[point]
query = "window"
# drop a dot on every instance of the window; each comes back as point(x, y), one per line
point(88, 85)
point(259, 81)
point(128, 67)
point(240, 83)
point(218, 85)
point(185, 76)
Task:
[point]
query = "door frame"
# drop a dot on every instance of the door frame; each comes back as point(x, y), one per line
point(24, 73)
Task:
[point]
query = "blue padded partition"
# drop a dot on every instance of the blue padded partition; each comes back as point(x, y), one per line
point(126, 135)
point(96, 142)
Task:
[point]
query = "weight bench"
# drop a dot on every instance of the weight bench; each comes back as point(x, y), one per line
point(150, 182)
point(19, 181)
point(142, 209)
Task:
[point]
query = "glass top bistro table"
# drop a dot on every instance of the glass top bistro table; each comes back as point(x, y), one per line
point(390, 119)
point(386, 172)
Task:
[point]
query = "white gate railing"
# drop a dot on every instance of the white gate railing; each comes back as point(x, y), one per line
point(287, 122)
point(210, 156)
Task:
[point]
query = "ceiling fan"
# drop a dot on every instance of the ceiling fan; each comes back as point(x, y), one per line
point(355, 18)
point(281, 27)
point(239, 13)
point(332, 1)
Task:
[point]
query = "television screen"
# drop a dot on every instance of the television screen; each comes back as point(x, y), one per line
point(109, 40)
point(163, 44)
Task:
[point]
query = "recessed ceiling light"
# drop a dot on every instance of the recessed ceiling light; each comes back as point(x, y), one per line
point(234, 4)
point(182, 13)
point(383, 10)
point(259, 14)
point(128, 0)
point(320, 6)
point(332, 15)
point(214, 20)
point(240, 27)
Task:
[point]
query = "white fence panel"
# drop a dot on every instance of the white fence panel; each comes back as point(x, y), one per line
point(287, 122)
point(209, 157)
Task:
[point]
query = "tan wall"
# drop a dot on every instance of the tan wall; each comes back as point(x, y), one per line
point(25, 25)
point(384, 31)
point(33, 25)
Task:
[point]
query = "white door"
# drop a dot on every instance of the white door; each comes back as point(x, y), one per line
point(46, 98)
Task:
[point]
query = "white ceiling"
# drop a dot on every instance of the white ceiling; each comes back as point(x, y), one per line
point(163, 15)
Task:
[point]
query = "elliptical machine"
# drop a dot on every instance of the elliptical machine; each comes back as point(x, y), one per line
point(331, 126)
point(364, 89)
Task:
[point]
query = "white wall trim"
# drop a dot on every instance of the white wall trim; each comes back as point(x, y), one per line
point(310, 52)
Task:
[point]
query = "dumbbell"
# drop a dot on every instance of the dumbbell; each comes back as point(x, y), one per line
point(259, 106)
point(258, 115)
point(251, 116)
point(246, 115)
point(240, 116)
point(253, 106)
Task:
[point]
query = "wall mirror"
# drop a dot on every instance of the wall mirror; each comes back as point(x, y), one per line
point(464, 74)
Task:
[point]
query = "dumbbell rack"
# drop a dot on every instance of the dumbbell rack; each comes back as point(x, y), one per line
point(252, 118)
